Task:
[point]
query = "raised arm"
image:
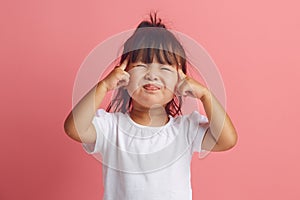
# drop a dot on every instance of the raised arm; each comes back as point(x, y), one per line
point(221, 130)
point(78, 124)
point(221, 134)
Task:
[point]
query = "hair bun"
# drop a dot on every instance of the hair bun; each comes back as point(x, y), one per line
point(154, 22)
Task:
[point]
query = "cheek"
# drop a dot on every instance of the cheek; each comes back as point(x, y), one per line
point(135, 78)
point(171, 82)
point(136, 73)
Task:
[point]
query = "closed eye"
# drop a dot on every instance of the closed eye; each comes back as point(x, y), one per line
point(141, 66)
point(166, 69)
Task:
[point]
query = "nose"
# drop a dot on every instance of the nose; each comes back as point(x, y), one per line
point(151, 75)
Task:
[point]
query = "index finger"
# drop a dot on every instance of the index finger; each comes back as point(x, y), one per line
point(124, 64)
point(181, 75)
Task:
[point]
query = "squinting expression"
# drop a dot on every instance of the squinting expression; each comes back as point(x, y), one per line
point(152, 84)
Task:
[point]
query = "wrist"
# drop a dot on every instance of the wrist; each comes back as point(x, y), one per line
point(102, 86)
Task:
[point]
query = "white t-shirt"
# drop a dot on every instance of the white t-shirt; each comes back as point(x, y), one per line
point(146, 163)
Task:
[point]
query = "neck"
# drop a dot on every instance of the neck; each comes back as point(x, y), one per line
point(155, 116)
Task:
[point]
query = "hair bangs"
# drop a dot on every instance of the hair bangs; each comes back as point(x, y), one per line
point(148, 55)
point(147, 44)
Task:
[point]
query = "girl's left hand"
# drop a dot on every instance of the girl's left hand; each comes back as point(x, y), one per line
point(188, 86)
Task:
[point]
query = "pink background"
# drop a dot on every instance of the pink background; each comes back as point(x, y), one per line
point(255, 44)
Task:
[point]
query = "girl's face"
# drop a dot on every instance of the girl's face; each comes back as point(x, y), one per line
point(152, 84)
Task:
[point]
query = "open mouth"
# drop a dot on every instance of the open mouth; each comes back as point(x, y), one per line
point(151, 87)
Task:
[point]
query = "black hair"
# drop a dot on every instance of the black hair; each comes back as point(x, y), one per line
point(150, 40)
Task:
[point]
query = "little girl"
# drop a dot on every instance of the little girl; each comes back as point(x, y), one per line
point(144, 141)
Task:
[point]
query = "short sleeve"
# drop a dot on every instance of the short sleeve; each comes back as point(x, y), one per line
point(201, 124)
point(100, 122)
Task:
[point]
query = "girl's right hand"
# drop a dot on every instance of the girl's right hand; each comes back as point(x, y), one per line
point(118, 77)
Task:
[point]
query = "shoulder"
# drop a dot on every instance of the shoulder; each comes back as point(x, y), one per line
point(108, 119)
point(193, 117)
point(191, 124)
point(101, 113)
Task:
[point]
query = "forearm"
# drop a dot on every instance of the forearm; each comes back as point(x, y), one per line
point(80, 118)
point(221, 126)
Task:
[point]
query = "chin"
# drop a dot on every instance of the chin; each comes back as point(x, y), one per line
point(146, 103)
point(151, 100)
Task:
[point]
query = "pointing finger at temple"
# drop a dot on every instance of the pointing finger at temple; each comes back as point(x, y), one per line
point(124, 64)
point(181, 75)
